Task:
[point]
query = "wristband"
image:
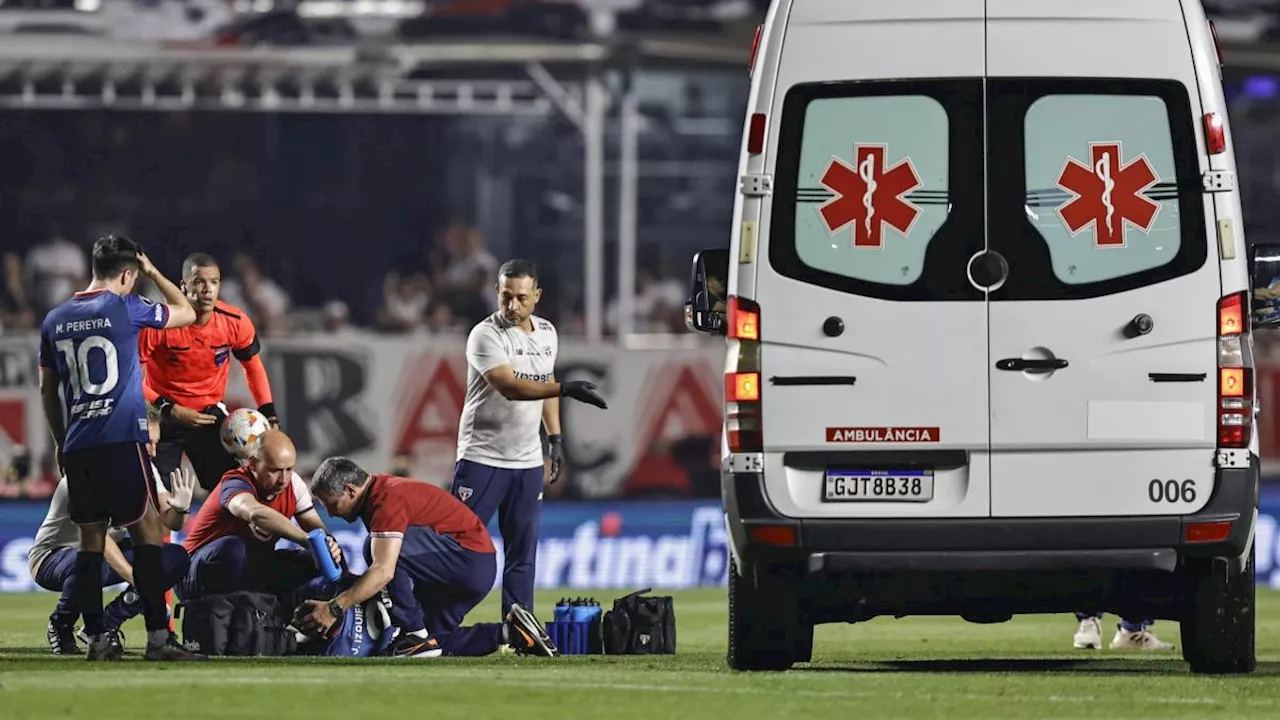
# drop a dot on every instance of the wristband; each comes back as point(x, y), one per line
point(551, 439)
point(165, 406)
point(335, 608)
point(268, 409)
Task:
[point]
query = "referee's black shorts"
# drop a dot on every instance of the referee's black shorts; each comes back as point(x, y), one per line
point(109, 484)
point(203, 448)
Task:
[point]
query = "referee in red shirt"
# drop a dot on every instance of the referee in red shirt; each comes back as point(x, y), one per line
point(186, 375)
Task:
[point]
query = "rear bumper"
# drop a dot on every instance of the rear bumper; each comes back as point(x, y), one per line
point(991, 561)
point(992, 544)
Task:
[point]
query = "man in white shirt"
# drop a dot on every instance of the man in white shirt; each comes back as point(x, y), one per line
point(54, 270)
point(511, 391)
point(52, 558)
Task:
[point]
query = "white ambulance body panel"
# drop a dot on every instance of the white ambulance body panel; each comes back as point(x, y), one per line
point(908, 144)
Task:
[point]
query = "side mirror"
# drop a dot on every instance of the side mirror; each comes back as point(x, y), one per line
point(708, 292)
point(1264, 278)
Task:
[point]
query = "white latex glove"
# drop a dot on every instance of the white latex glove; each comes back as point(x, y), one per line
point(182, 483)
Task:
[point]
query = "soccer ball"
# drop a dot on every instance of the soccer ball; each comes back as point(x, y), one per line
point(241, 431)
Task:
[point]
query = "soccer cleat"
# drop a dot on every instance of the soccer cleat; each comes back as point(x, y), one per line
point(106, 648)
point(1141, 640)
point(62, 639)
point(84, 636)
point(412, 646)
point(171, 651)
point(527, 635)
point(1089, 634)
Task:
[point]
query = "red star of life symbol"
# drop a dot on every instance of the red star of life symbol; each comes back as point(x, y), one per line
point(1107, 194)
point(869, 196)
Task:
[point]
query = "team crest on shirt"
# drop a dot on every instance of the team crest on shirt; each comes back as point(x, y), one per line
point(464, 493)
point(220, 356)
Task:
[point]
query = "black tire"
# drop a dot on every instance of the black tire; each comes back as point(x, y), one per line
point(1218, 629)
point(804, 643)
point(762, 621)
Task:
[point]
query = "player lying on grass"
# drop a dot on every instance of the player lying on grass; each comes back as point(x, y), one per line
point(432, 555)
point(232, 539)
point(53, 557)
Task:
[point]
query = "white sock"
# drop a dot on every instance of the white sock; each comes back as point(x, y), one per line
point(157, 637)
point(420, 633)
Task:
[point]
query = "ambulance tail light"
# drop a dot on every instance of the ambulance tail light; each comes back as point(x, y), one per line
point(744, 319)
point(777, 535)
point(1205, 532)
point(742, 412)
point(1217, 43)
point(755, 50)
point(1235, 378)
point(742, 391)
point(755, 133)
point(1215, 133)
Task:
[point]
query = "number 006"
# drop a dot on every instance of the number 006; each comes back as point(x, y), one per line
point(1172, 491)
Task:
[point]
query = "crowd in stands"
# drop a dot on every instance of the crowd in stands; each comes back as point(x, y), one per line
point(445, 294)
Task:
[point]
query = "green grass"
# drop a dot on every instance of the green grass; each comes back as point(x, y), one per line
point(915, 667)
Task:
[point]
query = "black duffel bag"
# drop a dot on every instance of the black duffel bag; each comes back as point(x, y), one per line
point(242, 624)
point(640, 625)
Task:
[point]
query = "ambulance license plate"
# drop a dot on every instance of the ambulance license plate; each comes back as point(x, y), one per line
point(878, 485)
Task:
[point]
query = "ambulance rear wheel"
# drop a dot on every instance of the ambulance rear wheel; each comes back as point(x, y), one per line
point(1218, 628)
point(804, 643)
point(763, 620)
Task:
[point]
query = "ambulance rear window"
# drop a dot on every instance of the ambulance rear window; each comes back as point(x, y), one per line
point(878, 190)
point(1094, 186)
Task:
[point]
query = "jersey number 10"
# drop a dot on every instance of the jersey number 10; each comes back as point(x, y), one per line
point(77, 359)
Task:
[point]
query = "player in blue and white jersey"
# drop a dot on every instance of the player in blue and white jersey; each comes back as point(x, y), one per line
point(91, 388)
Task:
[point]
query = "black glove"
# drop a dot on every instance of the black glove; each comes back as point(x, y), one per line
point(582, 391)
point(216, 411)
point(269, 409)
point(556, 443)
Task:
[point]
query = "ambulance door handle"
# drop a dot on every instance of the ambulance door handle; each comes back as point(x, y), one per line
point(1024, 365)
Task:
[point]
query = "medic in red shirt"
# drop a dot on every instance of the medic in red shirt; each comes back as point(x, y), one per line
point(435, 559)
point(232, 539)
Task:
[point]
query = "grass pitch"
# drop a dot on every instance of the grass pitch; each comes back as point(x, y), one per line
point(910, 668)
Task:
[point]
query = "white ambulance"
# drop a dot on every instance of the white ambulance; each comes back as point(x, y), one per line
point(988, 324)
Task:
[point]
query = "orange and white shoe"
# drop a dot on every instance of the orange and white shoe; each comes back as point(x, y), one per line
point(526, 634)
point(410, 645)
